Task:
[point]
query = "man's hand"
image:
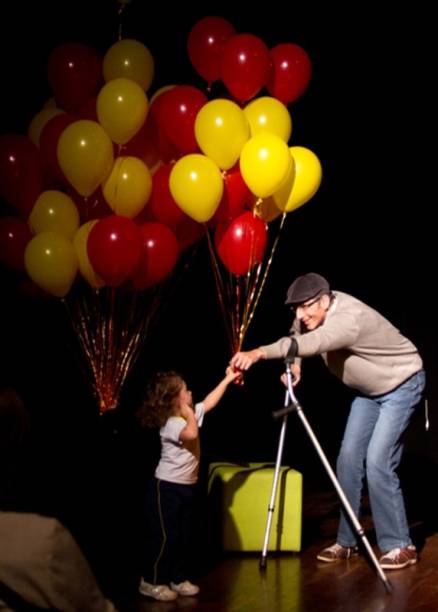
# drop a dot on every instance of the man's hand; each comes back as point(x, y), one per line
point(296, 375)
point(243, 360)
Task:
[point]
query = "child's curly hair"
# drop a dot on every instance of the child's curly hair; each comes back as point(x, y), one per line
point(161, 395)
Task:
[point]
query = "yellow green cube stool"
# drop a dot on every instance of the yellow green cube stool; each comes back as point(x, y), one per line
point(244, 493)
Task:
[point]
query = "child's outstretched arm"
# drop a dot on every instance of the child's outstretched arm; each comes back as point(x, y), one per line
point(212, 399)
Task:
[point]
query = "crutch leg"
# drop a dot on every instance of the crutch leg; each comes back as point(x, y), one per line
point(293, 404)
point(271, 507)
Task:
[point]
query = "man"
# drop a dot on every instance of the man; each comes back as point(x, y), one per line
point(370, 355)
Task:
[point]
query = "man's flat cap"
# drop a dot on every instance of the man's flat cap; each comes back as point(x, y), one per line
point(306, 287)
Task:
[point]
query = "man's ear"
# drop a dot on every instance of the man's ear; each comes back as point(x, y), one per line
point(325, 301)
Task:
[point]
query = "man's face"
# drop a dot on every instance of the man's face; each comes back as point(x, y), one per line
point(312, 312)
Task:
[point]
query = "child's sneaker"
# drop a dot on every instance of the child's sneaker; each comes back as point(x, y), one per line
point(185, 588)
point(161, 592)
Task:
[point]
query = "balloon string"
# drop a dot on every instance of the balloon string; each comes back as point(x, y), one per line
point(120, 12)
point(220, 288)
point(252, 282)
point(86, 340)
point(265, 274)
point(237, 324)
point(255, 286)
point(239, 295)
point(252, 279)
point(111, 326)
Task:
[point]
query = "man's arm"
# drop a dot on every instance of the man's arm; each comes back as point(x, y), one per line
point(243, 360)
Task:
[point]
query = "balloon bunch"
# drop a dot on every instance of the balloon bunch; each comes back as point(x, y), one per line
point(247, 139)
point(110, 187)
point(77, 186)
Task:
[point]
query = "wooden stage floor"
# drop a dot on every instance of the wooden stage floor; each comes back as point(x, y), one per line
point(297, 582)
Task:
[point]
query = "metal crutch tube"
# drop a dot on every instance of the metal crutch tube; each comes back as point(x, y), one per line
point(294, 405)
point(271, 507)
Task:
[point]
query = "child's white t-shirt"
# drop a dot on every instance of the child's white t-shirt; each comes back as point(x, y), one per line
point(179, 461)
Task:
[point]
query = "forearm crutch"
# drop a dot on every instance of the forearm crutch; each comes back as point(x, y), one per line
point(292, 404)
point(271, 506)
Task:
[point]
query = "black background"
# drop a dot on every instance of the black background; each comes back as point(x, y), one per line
point(369, 229)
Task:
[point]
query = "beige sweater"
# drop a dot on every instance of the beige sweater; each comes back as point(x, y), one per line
point(359, 346)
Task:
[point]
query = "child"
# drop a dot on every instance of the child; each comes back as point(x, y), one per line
point(168, 404)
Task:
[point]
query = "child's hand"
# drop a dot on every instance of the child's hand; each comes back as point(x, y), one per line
point(234, 375)
point(231, 373)
point(186, 410)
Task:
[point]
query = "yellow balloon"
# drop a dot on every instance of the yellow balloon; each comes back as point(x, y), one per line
point(85, 154)
point(268, 114)
point(80, 245)
point(54, 211)
point(266, 209)
point(51, 263)
point(128, 187)
point(300, 188)
point(38, 122)
point(265, 163)
point(129, 58)
point(221, 130)
point(121, 106)
point(196, 185)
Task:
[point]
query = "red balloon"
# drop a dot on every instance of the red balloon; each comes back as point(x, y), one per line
point(242, 243)
point(145, 143)
point(74, 72)
point(291, 73)
point(14, 236)
point(21, 172)
point(177, 114)
point(50, 135)
point(159, 255)
point(205, 43)
point(234, 197)
point(161, 203)
point(245, 66)
point(114, 247)
point(189, 232)
point(167, 151)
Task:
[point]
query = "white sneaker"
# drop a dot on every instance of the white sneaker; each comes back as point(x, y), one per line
point(185, 588)
point(161, 592)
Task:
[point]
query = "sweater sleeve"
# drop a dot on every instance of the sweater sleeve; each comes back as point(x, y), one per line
point(339, 331)
point(278, 349)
